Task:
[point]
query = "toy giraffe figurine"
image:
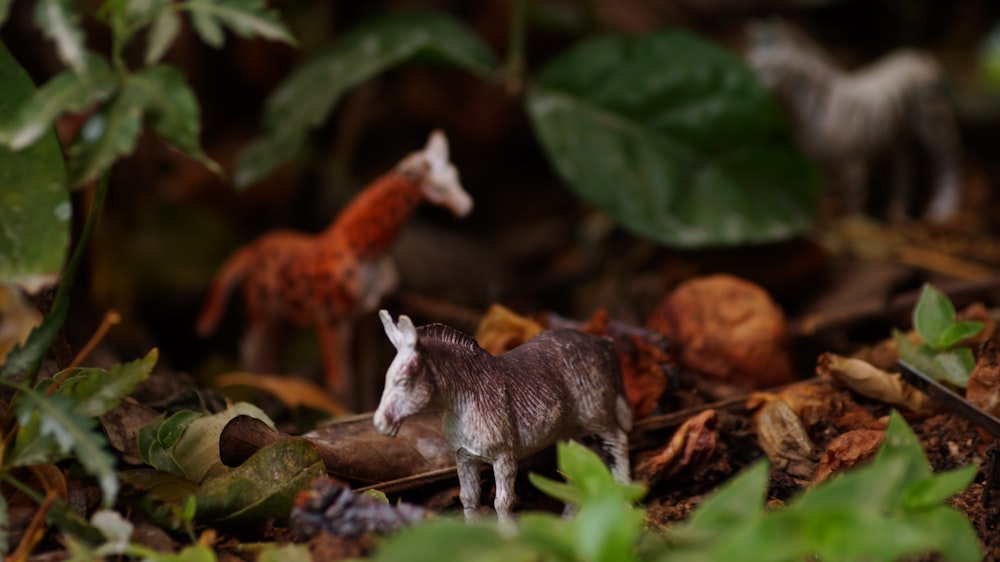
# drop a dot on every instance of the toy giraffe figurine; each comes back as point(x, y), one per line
point(328, 279)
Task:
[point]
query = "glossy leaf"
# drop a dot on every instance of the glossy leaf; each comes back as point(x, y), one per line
point(59, 22)
point(674, 138)
point(932, 315)
point(35, 211)
point(246, 18)
point(156, 440)
point(107, 135)
point(307, 98)
point(262, 488)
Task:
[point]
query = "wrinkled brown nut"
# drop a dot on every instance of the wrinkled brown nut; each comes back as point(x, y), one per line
point(692, 445)
point(871, 382)
point(501, 330)
point(784, 439)
point(984, 382)
point(729, 328)
point(847, 450)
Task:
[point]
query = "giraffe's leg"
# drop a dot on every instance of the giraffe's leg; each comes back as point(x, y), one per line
point(261, 345)
point(334, 342)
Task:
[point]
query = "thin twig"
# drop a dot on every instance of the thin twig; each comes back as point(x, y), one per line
point(111, 318)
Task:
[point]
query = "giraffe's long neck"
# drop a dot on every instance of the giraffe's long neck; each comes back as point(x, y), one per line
point(371, 221)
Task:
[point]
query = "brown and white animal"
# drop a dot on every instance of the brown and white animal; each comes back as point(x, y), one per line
point(327, 280)
point(561, 384)
point(847, 119)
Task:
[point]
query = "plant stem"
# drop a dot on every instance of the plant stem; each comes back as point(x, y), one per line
point(514, 65)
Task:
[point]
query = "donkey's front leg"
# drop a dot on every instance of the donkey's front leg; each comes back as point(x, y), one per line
point(505, 472)
point(468, 482)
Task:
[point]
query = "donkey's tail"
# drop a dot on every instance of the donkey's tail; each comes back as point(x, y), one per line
point(623, 413)
point(229, 275)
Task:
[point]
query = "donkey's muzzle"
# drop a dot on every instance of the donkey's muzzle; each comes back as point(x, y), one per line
point(386, 426)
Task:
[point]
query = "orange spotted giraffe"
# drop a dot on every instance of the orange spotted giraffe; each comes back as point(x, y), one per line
point(327, 280)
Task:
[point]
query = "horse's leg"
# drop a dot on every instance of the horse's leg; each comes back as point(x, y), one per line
point(852, 177)
point(261, 344)
point(334, 343)
point(615, 442)
point(468, 482)
point(937, 132)
point(902, 184)
point(505, 471)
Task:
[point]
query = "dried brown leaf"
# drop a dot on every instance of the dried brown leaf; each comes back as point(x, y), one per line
point(984, 382)
point(501, 330)
point(693, 444)
point(847, 450)
point(869, 381)
point(783, 438)
point(292, 391)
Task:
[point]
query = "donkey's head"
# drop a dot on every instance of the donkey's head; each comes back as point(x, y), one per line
point(406, 391)
point(437, 176)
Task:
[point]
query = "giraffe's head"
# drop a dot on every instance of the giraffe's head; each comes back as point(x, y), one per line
point(437, 176)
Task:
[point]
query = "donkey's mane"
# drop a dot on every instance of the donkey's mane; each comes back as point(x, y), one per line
point(446, 334)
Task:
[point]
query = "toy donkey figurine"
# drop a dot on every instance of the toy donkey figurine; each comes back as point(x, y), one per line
point(561, 384)
point(846, 119)
point(327, 280)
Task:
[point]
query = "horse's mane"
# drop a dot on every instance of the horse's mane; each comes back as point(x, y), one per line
point(446, 334)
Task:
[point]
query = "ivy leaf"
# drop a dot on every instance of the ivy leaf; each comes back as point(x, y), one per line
point(246, 18)
point(162, 33)
point(55, 417)
point(60, 23)
point(306, 99)
point(66, 92)
point(932, 316)
point(35, 211)
point(674, 138)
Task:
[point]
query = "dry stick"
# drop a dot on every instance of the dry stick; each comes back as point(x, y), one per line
point(111, 318)
point(637, 439)
point(36, 530)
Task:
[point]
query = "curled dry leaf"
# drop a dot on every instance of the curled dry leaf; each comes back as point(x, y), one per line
point(693, 444)
point(501, 330)
point(292, 391)
point(728, 328)
point(813, 402)
point(847, 450)
point(644, 360)
point(122, 424)
point(333, 508)
point(17, 318)
point(783, 438)
point(351, 449)
point(867, 380)
point(984, 382)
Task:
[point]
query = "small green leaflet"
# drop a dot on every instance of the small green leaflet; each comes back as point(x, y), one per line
point(61, 24)
point(246, 18)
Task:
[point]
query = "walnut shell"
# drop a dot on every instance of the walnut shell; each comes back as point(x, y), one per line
point(729, 328)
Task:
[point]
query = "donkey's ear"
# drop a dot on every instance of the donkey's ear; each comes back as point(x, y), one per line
point(407, 331)
point(390, 328)
point(437, 146)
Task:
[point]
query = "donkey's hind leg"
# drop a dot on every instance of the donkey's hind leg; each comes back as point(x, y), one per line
point(615, 442)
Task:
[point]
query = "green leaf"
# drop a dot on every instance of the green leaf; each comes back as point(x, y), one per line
point(286, 553)
point(108, 134)
point(955, 366)
point(157, 439)
point(901, 443)
point(246, 18)
point(4, 14)
point(24, 357)
point(952, 534)
point(162, 33)
point(738, 502)
point(307, 98)
point(959, 331)
point(674, 138)
point(262, 488)
point(56, 418)
point(95, 391)
point(4, 523)
point(60, 23)
point(919, 356)
point(66, 92)
point(932, 316)
point(933, 492)
point(35, 211)
point(171, 109)
point(444, 540)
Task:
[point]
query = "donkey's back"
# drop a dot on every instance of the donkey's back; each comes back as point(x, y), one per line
point(577, 372)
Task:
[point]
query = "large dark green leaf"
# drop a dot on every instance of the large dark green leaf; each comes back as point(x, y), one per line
point(674, 138)
point(309, 95)
point(34, 205)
